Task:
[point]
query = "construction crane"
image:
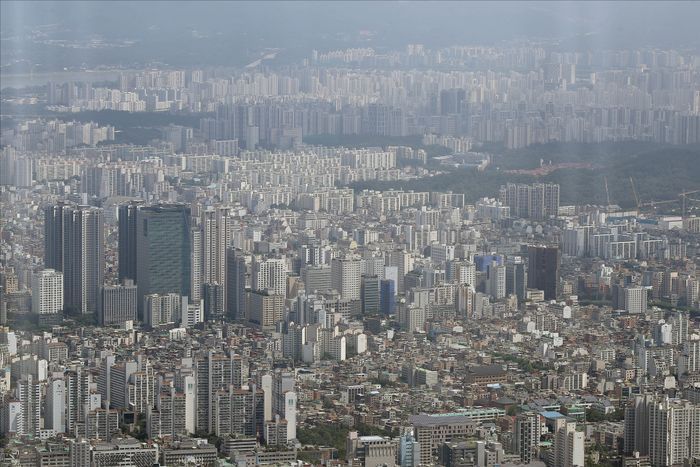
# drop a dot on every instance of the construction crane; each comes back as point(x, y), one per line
point(684, 195)
point(607, 192)
point(634, 191)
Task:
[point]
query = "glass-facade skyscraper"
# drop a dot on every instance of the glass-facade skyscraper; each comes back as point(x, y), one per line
point(163, 253)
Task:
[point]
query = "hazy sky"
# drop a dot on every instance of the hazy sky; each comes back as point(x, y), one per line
point(221, 32)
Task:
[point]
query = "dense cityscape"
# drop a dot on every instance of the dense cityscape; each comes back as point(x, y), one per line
point(472, 255)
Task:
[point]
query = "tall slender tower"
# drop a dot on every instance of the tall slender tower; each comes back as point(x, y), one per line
point(235, 284)
point(215, 226)
point(83, 258)
point(74, 245)
point(127, 240)
point(53, 236)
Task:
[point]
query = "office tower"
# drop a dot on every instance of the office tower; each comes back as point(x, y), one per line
point(516, 277)
point(53, 236)
point(212, 374)
point(674, 432)
point(29, 396)
point(527, 436)
point(55, 411)
point(266, 308)
point(236, 284)
point(635, 300)
point(213, 297)
point(316, 278)
point(238, 412)
point(47, 292)
point(370, 293)
point(78, 239)
point(118, 304)
point(345, 277)
point(270, 274)
point(409, 451)
point(636, 435)
point(496, 281)
point(127, 240)
point(163, 250)
point(387, 296)
point(403, 261)
point(543, 270)
point(120, 374)
point(568, 446)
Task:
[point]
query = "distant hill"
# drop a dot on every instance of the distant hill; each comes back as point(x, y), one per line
point(659, 173)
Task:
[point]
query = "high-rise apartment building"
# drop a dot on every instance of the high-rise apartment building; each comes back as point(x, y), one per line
point(83, 258)
point(212, 374)
point(215, 225)
point(569, 446)
point(270, 274)
point(674, 432)
point(47, 292)
point(537, 201)
point(74, 245)
point(527, 436)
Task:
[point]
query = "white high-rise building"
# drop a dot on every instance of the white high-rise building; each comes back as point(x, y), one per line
point(284, 401)
point(55, 412)
point(346, 276)
point(47, 292)
point(29, 395)
point(674, 432)
point(496, 284)
point(270, 274)
point(215, 228)
point(528, 429)
point(196, 261)
point(568, 446)
point(635, 300)
point(690, 358)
